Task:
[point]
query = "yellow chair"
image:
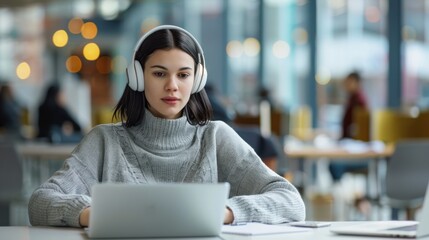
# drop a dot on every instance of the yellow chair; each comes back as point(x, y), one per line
point(103, 115)
point(422, 124)
point(391, 126)
point(362, 124)
point(300, 123)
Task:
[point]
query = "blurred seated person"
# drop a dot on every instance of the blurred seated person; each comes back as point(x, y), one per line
point(355, 100)
point(55, 123)
point(267, 148)
point(10, 111)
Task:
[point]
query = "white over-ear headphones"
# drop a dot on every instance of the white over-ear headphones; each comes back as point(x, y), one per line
point(135, 70)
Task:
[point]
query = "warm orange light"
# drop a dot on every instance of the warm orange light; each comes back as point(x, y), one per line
point(91, 51)
point(74, 64)
point(75, 25)
point(23, 70)
point(104, 64)
point(60, 38)
point(89, 30)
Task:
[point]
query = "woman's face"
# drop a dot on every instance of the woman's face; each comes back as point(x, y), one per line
point(168, 80)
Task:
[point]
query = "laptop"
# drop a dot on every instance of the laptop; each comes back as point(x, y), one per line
point(409, 229)
point(157, 210)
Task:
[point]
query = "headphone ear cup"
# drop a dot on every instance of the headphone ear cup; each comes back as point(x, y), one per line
point(139, 76)
point(135, 76)
point(203, 80)
point(200, 78)
point(131, 75)
point(197, 79)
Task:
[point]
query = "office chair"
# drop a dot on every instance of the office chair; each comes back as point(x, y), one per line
point(407, 176)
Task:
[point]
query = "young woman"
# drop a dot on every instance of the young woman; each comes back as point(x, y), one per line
point(166, 136)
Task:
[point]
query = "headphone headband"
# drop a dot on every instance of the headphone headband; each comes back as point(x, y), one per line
point(168, 27)
point(135, 70)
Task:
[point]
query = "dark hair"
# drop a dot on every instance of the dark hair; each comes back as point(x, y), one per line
point(131, 107)
point(355, 75)
point(51, 96)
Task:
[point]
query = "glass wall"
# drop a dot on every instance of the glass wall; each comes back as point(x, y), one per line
point(351, 37)
point(243, 54)
point(249, 44)
point(285, 44)
point(415, 82)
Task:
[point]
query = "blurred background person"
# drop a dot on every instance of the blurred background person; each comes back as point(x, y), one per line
point(54, 122)
point(10, 111)
point(356, 100)
point(268, 148)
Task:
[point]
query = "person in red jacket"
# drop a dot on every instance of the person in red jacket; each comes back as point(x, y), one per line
point(356, 99)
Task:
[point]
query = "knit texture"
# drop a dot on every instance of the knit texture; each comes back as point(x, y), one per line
point(165, 150)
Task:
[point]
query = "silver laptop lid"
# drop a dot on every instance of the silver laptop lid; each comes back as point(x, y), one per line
point(157, 210)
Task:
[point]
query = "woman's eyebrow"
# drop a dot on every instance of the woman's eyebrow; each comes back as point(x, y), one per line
point(162, 67)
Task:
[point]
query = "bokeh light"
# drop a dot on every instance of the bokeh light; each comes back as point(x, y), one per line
point(252, 47)
point(23, 70)
point(281, 49)
point(323, 76)
point(91, 51)
point(75, 25)
point(234, 49)
point(89, 30)
point(109, 9)
point(73, 64)
point(60, 38)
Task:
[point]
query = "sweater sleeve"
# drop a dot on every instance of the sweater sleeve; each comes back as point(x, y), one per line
point(257, 193)
point(60, 200)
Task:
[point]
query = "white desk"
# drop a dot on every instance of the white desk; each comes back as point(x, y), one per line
point(43, 233)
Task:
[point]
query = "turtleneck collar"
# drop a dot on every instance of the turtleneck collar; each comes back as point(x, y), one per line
point(160, 134)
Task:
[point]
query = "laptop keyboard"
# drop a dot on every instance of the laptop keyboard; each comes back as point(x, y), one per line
point(406, 228)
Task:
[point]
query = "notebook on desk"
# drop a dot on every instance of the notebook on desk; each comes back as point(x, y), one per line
point(157, 210)
point(410, 229)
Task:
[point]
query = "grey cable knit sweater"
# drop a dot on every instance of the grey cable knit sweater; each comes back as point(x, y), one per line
point(163, 150)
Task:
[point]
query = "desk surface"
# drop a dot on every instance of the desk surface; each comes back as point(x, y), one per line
point(310, 152)
point(45, 151)
point(43, 233)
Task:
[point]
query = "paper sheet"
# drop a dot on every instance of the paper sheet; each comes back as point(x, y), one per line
point(252, 229)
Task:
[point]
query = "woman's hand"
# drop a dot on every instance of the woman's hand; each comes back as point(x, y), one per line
point(84, 217)
point(229, 216)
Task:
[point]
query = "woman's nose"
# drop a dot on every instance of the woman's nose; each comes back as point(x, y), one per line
point(171, 84)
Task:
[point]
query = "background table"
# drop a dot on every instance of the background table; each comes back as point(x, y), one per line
point(308, 154)
point(37, 161)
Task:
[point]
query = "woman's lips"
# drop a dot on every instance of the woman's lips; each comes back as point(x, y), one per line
point(170, 100)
